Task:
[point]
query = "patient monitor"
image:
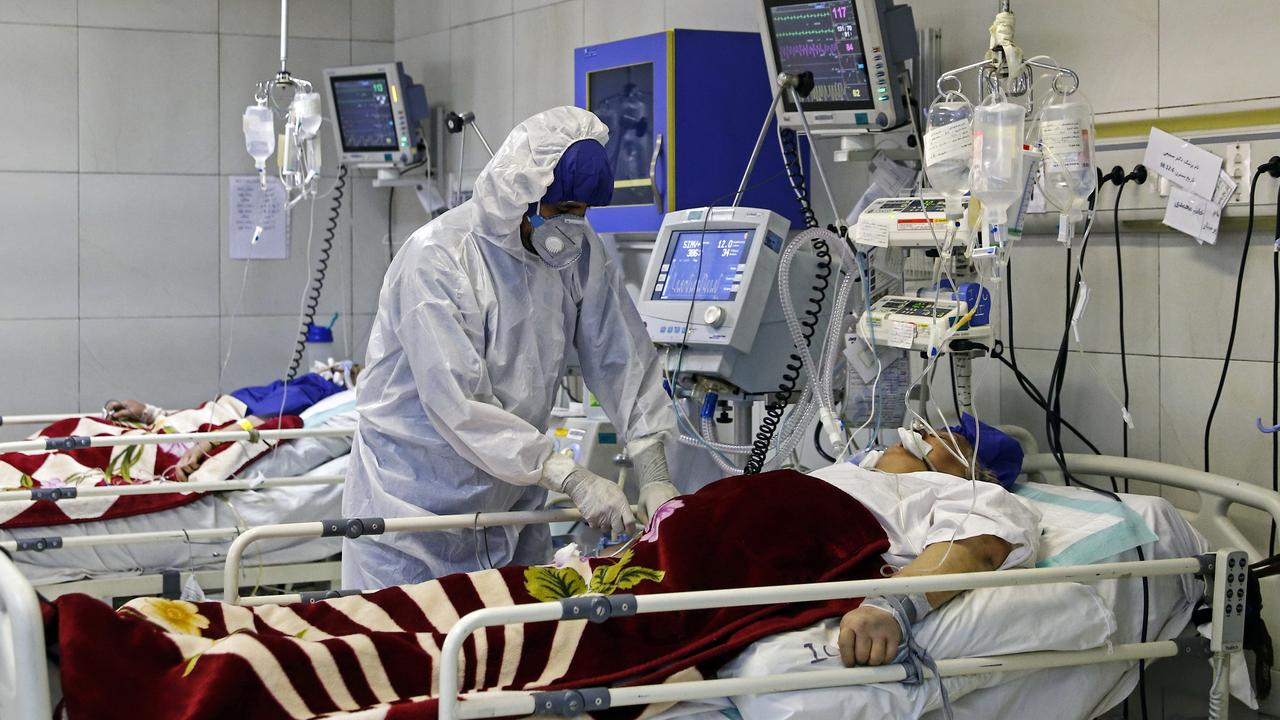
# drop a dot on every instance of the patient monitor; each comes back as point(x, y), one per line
point(378, 112)
point(710, 296)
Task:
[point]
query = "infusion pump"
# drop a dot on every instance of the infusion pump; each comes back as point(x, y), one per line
point(927, 324)
point(710, 296)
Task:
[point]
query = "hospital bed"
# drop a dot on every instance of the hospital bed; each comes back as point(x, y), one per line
point(1096, 678)
point(160, 552)
point(1087, 678)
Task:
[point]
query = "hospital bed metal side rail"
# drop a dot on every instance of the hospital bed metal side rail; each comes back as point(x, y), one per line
point(602, 608)
point(24, 668)
point(75, 442)
point(44, 419)
point(69, 492)
point(359, 527)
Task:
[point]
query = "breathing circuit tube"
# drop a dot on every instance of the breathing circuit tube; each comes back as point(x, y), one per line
point(322, 268)
point(812, 314)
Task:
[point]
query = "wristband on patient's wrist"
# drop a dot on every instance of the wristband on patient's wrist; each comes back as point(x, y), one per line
point(910, 608)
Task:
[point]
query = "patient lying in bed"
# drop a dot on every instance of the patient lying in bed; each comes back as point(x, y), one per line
point(938, 521)
point(903, 518)
point(276, 399)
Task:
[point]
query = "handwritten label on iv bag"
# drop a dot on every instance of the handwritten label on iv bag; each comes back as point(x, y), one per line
point(1064, 142)
point(257, 222)
point(948, 142)
point(1184, 164)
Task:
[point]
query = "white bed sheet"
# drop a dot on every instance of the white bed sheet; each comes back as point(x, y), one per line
point(1082, 692)
point(245, 507)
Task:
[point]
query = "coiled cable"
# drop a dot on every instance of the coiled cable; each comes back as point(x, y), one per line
point(812, 315)
point(322, 268)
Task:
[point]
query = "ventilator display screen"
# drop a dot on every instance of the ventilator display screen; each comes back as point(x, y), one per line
point(703, 265)
point(364, 107)
point(822, 38)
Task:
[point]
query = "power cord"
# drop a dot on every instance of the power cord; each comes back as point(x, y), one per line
point(1275, 367)
point(1138, 176)
point(1271, 167)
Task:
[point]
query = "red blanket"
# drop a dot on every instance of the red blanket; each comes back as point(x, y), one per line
point(123, 465)
point(172, 659)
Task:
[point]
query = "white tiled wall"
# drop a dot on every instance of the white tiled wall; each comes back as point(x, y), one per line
point(506, 60)
point(123, 126)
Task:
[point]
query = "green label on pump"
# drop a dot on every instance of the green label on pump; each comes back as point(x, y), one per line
point(607, 438)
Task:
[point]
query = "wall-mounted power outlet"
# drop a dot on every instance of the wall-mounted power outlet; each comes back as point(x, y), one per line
point(1237, 165)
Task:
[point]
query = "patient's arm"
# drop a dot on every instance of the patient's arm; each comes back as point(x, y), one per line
point(193, 458)
point(870, 636)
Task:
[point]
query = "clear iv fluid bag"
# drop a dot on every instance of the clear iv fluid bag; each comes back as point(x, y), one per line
point(306, 108)
point(1066, 136)
point(948, 149)
point(259, 133)
point(997, 174)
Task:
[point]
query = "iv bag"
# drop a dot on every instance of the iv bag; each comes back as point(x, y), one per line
point(306, 108)
point(259, 134)
point(948, 150)
point(1066, 136)
point(997, 175)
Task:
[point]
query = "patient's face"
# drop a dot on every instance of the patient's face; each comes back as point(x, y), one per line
point(898, 460)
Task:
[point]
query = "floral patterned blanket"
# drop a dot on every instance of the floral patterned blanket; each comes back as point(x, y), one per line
point(124, 465)
point(378, 652)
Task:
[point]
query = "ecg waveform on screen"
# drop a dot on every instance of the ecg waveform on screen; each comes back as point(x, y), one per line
point(830, 92)
point(807, 50)
point(823, 38)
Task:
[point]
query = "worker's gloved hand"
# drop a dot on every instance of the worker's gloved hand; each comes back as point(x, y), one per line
point(602, 503)
point(649, 461)
point(652, 497)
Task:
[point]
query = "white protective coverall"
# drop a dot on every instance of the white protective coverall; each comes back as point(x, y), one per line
point(465, 356)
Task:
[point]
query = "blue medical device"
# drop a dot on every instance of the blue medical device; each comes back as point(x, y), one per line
point(683, 108)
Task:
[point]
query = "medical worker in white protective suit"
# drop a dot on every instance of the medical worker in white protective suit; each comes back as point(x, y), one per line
point(477, 314)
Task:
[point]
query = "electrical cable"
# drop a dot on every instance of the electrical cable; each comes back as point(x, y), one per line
point(812, 315)
point(1235, 317)
point(1275, 368)
point(955, 395)
point(817, 443)
point(322, 268)
point(1124, 353)
point(391, 243)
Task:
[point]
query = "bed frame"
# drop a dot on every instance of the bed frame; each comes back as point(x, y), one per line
point(114, 586)
point(22, 653)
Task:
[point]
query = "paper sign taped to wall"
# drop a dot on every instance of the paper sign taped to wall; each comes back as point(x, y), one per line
point(258, 221)
point(1196, 216)
point(1193, 215)
point(1185, 165)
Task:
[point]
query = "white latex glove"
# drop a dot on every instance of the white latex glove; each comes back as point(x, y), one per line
point(603, 504)
point(649, 459)
point(652, 496)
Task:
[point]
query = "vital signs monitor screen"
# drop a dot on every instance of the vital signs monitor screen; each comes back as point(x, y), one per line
point(364, 113)
point(822, 38)
point(708, 264)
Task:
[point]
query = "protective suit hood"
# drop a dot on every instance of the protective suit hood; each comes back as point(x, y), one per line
point(522, 170)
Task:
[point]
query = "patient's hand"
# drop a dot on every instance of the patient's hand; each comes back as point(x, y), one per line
point(191, 460)
point(127, 411)
point(868, 636)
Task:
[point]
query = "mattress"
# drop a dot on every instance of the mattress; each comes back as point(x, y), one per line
point(243, 507)
point(1082, 692)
